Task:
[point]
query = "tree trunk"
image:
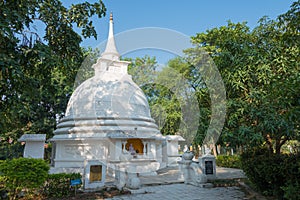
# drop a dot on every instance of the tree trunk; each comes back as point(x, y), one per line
point(279, 144)
point(215, 151)
point(219, 149)
point(270, 143)
point(277, 150)
point(271, 149)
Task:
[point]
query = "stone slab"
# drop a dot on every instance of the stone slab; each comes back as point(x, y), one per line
point(32, 137)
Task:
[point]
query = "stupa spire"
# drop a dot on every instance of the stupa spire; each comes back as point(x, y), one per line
point(110, 51)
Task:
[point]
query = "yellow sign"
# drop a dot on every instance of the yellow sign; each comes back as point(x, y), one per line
point(95, 173)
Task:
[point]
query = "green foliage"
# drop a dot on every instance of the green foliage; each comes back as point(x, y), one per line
point(10, 150)
point(157, 86)
point(58, 185)
point(2, 184)
point(23, 173)
point(230, 161)
point(260, 70)
point(143, 71)
point(225, 182)
point(38, 67)
point(271, 173)
point(291, 190)
point(193, 97)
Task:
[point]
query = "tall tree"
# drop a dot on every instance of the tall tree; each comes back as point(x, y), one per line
point(163, 102)
point(38, 67)
point(260, 70)
point(196, 100)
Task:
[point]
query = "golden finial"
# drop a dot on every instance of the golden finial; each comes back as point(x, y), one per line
point(111, 16)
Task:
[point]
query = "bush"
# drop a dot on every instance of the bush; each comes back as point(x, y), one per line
point(58, 185)
point(3, 192)
point(292, 190)
point(23, 174)
point(228, 161)
point(270, 173)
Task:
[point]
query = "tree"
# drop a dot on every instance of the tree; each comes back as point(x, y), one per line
point(197, 100)
point(229, 47)
point(281, 106)
point(38, 67)
point(260, 70)
point(156, 85)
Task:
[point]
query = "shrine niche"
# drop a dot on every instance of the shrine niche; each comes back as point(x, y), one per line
point(94, 174)
point(136, 144)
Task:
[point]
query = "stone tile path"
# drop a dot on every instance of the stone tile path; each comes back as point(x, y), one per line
point(168, 185)
point(183, 191)
point(229, 173)
point(172, 175)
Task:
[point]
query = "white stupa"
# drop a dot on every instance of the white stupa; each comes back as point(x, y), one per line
point(108, 120)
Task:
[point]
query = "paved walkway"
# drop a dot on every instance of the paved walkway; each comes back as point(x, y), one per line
point(168, 185)
point(229, 173)
point(183, 191)
point(171, 175)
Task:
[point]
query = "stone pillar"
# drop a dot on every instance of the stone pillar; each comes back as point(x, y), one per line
point(53, 150)
point(133, 182)
point(159, 152)
point(181, 170)
point(123, 146)
point(186, 170)
point(208, 166)
point(191, 171)
point(145, 148)
point(184, 165)
point(152, 150)
point(34, 145)
point(121, 177)
point(112, 150)
point(118, 149)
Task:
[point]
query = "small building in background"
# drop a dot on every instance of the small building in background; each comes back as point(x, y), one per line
point(34, 145)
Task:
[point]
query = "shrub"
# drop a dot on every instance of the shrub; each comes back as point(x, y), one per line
point(3, 192)
point(58, 185)
point(292, 190)
point(270, 172)
point(232, 161)
point(23, 174)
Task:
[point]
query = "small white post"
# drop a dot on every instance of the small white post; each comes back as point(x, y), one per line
point(145, 149)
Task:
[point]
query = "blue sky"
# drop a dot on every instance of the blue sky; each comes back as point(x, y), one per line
point(187, 17)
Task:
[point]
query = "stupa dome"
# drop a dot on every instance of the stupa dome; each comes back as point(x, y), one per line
point(109, 104)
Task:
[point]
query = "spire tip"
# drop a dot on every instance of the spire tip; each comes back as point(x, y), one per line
point(111, 16)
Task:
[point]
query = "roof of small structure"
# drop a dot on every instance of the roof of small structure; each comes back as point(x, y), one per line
point(174, 138)
point(32, 137)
